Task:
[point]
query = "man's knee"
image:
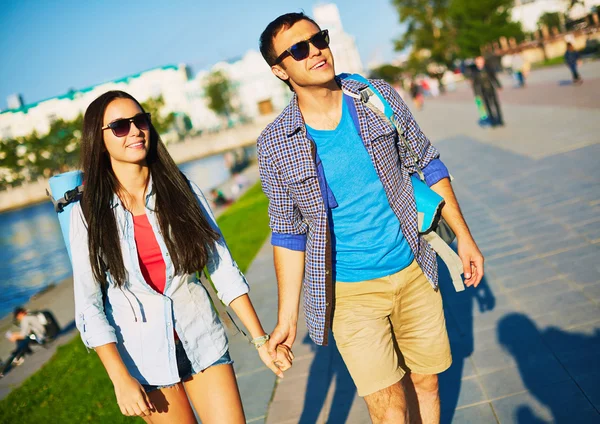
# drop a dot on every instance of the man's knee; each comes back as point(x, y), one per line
point(388, 405)
point(425, 383)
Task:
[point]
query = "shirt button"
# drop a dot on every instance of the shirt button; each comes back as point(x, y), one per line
point(327, 304)
point(167, 254)
point(326, 272)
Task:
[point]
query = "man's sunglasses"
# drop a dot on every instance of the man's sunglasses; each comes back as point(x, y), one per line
point(121, 127)
point(300, 50)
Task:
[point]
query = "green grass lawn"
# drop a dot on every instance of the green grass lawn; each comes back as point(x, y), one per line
point(560, 60)
point(73, 386)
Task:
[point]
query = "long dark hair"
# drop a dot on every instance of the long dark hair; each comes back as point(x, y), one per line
point(186, 231)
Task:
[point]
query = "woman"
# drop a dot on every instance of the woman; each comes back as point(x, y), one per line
point(138, 236)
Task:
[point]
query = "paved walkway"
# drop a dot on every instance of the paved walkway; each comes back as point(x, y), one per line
point(526, 343)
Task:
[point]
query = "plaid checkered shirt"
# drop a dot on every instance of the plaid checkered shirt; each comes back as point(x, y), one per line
point(293, 179)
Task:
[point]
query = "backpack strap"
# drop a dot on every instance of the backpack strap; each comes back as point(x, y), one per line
point(69, 197)
point(375, 101)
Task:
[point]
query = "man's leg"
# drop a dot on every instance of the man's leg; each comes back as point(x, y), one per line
point(388, 405)
point(488, 107)
point(574, 72)
point(427, 397)
point(496, 106)
point(364, 337)
point(420, 330)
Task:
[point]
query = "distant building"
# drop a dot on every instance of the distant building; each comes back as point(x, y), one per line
point(345, 54)
point(528, 12)
point(257, 91)
point(170, 81)
point(15, 101)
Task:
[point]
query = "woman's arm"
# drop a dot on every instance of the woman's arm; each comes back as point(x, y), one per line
point(243, 308)
point(232, 289)
point(131, 396)
point(96, 332)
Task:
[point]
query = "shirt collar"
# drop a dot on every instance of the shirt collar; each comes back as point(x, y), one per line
point(293, 121)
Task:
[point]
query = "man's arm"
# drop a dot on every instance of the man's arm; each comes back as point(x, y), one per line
point(468, 251)
point(289, 269)
point(437, 177)
point(289, 242)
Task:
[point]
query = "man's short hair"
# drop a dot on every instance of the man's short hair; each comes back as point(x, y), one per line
point(283, 22)
point(18, 311)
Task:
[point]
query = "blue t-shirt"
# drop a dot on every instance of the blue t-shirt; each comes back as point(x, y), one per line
point(368, 240)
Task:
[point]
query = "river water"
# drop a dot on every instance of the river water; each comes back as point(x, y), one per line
point(32, 251)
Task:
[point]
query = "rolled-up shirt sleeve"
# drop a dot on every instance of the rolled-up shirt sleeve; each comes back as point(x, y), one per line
point(435, 171)
point(90, 318)
point(287, 224)
point(224, 272)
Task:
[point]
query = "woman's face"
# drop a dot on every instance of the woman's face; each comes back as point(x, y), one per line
point(132, 147)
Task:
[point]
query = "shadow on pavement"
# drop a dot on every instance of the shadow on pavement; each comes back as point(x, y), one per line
point(567, 347)
point(459, 308)
point(326, 369)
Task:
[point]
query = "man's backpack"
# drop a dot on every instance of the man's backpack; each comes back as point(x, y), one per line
point(48, 320)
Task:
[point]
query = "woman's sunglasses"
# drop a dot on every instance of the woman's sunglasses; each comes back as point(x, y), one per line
point(300, 50)
point(121, 127)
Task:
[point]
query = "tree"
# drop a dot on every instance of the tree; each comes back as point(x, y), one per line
point(427, 28)
point(162, 123)
point(387, 72)
point(550, 20)
point(481, 22)
point(219, 91)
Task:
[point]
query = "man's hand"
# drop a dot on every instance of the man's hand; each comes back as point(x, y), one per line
point(282, 362)
point(283, 334)
point(15, 337)
point(472, 260)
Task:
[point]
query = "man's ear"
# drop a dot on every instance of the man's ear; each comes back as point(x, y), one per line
point(280, 73)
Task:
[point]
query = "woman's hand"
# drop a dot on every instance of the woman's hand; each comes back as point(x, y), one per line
point(283, 362)
point(132, 398)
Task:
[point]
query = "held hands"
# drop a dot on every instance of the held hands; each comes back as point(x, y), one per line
point(281, 362)
point(132, 398)
point(472, 260)
point(278, 349)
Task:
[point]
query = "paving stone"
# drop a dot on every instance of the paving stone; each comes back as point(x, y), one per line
point(516, 379)
point(559, 402)
point(477, 414)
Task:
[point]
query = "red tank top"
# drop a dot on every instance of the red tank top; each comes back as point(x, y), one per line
point(151, 260)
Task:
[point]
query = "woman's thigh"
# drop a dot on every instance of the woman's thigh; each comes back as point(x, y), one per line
point(215, 395)
point(172, 406)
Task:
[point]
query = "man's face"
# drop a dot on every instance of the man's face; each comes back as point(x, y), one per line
point(479, 62)
point(316, 70)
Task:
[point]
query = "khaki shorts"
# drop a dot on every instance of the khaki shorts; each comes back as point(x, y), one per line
point(388, 326)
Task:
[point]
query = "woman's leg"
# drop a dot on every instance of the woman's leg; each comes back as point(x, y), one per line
point(215, 395)
point(172, 406)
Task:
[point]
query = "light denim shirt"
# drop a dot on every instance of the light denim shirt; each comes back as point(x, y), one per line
point(139, 319)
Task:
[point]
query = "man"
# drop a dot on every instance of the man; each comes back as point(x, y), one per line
point(520, 68)
point(485, 84)
point(572, 60)
point(30, 325)
point(344, 220)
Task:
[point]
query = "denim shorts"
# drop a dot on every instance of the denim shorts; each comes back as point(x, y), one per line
point(184, 366)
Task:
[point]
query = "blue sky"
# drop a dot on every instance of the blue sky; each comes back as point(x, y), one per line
point(48, 47)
